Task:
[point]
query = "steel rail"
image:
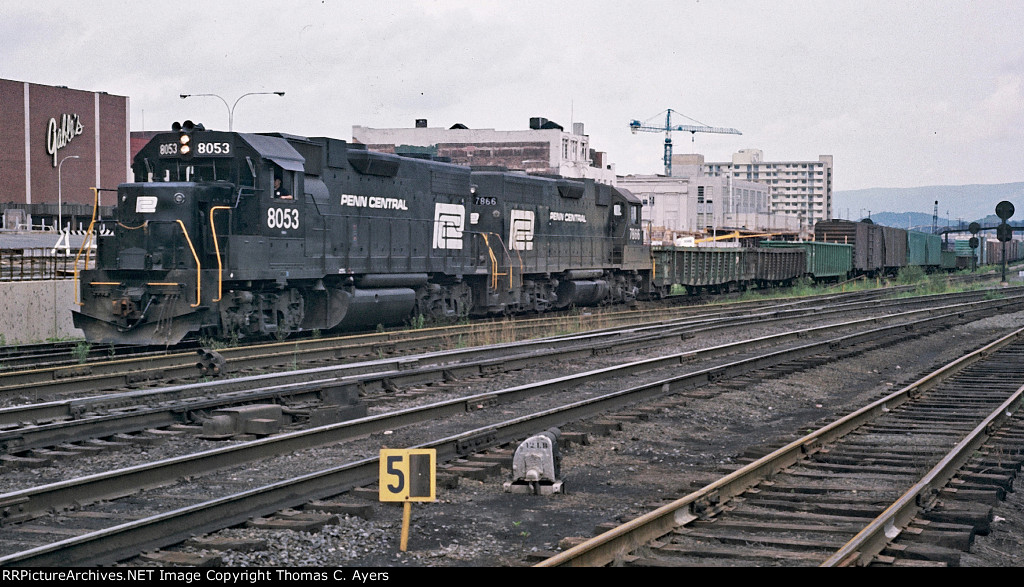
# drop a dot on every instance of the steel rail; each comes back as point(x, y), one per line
point(39, 384)
point(26, 504)
point(36, 383)
point(870, 541)
point(616, 543)
point(86, 418)
point(112, 544)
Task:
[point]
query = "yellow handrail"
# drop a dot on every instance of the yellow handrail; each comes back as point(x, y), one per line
point(87, 241)
point(199, 267)
point(216, 247)
point(494, 261)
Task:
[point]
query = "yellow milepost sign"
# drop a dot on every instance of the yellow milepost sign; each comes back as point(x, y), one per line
point(407, 475)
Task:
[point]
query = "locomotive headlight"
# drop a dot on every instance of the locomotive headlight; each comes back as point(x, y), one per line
point(184, 137)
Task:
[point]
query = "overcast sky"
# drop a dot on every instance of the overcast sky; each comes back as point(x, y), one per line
point(901, 93)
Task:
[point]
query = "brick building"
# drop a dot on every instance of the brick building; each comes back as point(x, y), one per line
point(55, 144)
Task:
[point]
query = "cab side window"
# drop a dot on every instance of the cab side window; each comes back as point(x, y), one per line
point(283, 181)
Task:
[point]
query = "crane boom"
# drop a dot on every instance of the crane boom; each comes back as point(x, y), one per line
point(636, 125)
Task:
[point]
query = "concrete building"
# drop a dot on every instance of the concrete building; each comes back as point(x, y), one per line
point(55, 144)
point(798, 188)
point(690, 203)
point(545, 147)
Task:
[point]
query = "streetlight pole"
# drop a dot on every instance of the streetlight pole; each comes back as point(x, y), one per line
point(60, 199)
point(231, 109)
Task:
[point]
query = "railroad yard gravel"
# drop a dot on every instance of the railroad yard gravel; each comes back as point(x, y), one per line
point(685, 443)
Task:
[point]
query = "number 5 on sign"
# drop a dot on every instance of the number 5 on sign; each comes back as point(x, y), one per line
point(407, 475)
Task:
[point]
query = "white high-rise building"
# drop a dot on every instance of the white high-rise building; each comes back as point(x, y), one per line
point(798, 188)
point(693, 203)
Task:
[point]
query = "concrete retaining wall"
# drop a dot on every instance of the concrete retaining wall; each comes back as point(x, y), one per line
point(33, 311)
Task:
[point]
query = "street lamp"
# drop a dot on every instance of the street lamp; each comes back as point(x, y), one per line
point(60, 199)
point(231, 109)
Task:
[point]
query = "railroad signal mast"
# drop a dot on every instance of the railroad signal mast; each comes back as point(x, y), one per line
point(636, 125)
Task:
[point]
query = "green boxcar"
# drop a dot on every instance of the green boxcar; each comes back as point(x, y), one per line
point(948, 260)
point(924, 249)
point(822, 260)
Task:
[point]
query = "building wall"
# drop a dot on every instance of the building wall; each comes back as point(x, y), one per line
point(12, 142)
point(699, 204)
point(534, 150)
point(40, 126)
point(799, 188)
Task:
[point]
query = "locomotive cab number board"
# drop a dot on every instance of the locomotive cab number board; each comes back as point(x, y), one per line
point(408, 475)
point(199, 148)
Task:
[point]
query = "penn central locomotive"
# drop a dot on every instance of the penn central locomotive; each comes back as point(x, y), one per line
point(204, 243)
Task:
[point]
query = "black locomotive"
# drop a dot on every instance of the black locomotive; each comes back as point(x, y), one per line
point(235, 234)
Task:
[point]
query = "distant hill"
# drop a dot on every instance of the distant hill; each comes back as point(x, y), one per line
point(913, 207)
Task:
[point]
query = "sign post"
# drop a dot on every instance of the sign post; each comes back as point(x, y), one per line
point(407, 475)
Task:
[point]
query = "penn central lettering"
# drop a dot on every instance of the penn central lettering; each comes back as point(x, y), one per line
point(373, 202)
point(567, 217)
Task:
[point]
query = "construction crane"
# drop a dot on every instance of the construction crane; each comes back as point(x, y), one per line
point(636, 125)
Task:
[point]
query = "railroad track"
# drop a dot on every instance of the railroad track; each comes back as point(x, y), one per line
point(52, 356)
point(36, 385)
point(906, 480)
point(28, 514)
point(36, 434)
point(80, 365)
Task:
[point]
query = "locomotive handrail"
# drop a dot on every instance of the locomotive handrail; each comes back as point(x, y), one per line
point(199, 266)
point(522, 268)
point(494, 260)
point(216, 247)
point(87, 241)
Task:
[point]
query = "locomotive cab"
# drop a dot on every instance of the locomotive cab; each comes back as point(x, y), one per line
point(199, 216)
point(628, 250)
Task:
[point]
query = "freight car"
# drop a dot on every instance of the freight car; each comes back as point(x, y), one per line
point(924, 250)
point(824, 261)
point(996, 251)
point(235, 234)
point(865, 238)
point(884, 250)
point(717, 270)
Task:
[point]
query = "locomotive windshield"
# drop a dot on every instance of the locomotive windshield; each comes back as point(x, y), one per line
point(194, 154)
point(197, 170)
